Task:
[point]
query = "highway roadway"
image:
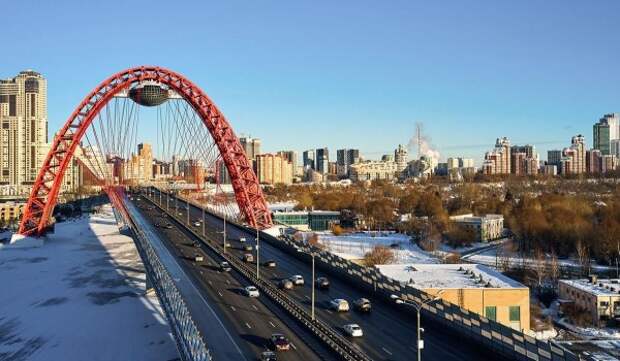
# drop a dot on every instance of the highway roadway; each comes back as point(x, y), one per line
point(389, 333)
point(251, 321)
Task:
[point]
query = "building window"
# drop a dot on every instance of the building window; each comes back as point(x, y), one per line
point(604, 303)
point(490, 312)
point(515, 313)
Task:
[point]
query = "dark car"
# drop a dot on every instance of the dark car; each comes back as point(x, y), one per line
point(280, 342)
point(286, 284)
point(269, 263)
point(362, 305)
point(168, 226)
point(322, 283)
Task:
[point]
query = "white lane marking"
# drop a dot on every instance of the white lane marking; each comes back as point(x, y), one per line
point(247, 324)
point(386, 351)
point(293, 346)
point(274, 274)
point(227, 281)
point(233, 308)
point(272, 325)
point(306, 296)
point(210, 283)
point(254, 306)
point(328, 311)
point(219, 293)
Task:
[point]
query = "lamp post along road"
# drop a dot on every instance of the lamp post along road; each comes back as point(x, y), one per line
point(187, 205)
point(257, 255)
point(203, 220)
point(224, 232)
point(313, 285)
point(418, 307)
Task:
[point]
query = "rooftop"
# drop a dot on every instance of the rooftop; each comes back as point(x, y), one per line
point(602, 287)
point(446, 276)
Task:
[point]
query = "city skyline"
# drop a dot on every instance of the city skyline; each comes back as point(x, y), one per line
point(389, 76)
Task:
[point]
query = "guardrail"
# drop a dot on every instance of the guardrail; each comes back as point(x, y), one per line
point(189, 341)
point(339, 344)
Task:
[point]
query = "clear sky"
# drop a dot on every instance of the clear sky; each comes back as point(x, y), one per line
point(305, 74)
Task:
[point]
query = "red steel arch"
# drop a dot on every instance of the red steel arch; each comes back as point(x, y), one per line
point(44, 193)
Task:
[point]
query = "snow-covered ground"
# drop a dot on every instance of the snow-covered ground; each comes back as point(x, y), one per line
point(80, 297)
point(356, 245)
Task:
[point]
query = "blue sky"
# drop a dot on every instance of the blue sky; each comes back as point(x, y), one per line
point(304, 74)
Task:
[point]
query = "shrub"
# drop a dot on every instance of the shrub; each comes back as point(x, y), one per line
point(379, 255)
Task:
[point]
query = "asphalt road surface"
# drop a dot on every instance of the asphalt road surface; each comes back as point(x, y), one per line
point(389, 333)
point(251, 320)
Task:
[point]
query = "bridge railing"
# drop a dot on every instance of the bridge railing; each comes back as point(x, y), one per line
point(189, 341)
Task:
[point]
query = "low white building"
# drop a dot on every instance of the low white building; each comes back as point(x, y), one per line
point(487, 228)
point(373, 170)
point(599, 297)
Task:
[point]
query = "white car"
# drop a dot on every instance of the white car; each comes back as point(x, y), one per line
point(251, 291)
point(297, 280)
point(353, 330)
point(339, 305)
point(242, 239)
point(197, 224)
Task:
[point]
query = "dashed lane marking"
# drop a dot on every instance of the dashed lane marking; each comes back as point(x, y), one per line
point(293, 346)
point(386, 351)
point(272, 325)
point(254, 307)
point(233, 308)
point(247, 324)
point(219, 293)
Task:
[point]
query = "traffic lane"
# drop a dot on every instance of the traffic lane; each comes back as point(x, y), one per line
point(375, 342)
point(439, 344)
point(255, 322)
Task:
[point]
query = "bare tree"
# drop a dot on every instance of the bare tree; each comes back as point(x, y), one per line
point(554, 267)
point(539, 267)
point(583, 256)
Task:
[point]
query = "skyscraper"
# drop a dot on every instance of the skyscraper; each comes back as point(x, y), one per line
point(23, 128)
point(554, 157)
point(290, 156)
point(322, 160)
point(605, 132)
point(345, 158)
point(273, 169)
point(497, 161)
point(251, 146)
point(574, 157)
point(309, 159)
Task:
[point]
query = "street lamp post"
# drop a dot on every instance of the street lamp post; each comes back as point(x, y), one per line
point(224, 232)
point(257, 255)
point(204, 234)
point(418, 306)
point(313, 285)
point(187, 201)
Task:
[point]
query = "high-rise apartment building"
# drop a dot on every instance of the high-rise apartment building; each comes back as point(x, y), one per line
point(290, 156)
point(497, 161)
point(344, 159)
point(273, 169)
point(401, 158)
point(251, 146)
point(609, 163)
point(605, 131)
point(523, 160)
point(593, 161)
point(322, 160)
point(574, 157)
point(23, 128)
point(554, 157)
point(309, 157)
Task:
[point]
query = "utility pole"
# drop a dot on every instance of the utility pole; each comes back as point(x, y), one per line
point(224, 232)
point(257, 255)
point(313, 286)
point(204, 234)
point(187, 201)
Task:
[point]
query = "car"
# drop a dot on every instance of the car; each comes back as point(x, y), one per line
point(199, 258)
point(168, 226)
point(286, 284)
point(297, 280)
point(197, 224)
point(269, 263)
point(353, 330)
point(157, 225)
point(339, 305)
point(227, 245)
point(280, 342)
point(242, 239)
point(322, 283)
point(248, 257)
point(248, 248)
point(362, 305)
point(268, 356)
point(225, 266)
point(196, 245)
point(251, 291)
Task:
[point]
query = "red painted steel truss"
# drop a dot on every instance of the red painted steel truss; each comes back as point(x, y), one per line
point(45, 191)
